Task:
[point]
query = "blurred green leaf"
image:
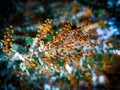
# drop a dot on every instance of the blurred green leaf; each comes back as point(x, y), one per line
point(50, 37)
point(28, 41)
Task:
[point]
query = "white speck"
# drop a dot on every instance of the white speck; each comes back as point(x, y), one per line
point(102, 79)
point(46, 54)
point(94, 80)
point(34, 43)
point(18, 56)
point(69, 68)
point(22, 66)
point(51, 64)
point(47, 87)
point(55, 88)
point(40, 47)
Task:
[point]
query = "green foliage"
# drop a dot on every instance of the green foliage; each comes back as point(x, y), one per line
point(28, 41)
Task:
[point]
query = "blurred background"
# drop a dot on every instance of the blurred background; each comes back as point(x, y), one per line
point(26, 17)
